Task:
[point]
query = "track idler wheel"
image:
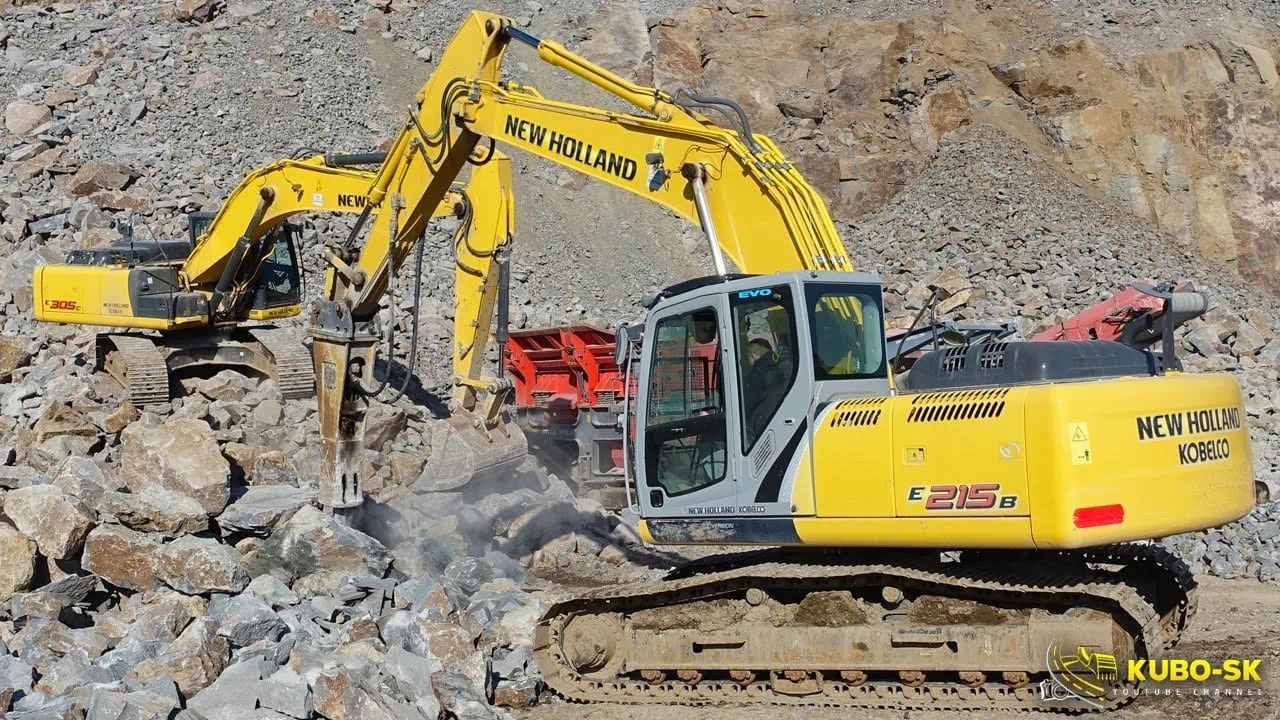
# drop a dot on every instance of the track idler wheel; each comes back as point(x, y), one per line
point(973, 678)
point(591, 644)
point(743, 677)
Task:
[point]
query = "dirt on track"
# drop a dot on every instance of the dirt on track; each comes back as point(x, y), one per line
point(1236, 619)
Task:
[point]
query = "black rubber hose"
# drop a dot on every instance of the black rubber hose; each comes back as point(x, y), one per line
point(748, 136)
point(413, 333)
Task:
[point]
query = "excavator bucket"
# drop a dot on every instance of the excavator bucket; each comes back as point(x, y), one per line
point(464, 451)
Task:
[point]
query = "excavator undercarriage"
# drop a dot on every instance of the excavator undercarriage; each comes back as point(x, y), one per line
point(869, 628)
point(144, 364)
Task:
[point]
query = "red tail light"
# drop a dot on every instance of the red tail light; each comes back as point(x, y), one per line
point(1099, 515)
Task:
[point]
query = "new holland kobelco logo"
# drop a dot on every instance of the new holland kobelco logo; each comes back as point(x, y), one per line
point(1082, 676)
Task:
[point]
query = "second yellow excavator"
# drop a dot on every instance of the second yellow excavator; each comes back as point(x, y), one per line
point(211, 299)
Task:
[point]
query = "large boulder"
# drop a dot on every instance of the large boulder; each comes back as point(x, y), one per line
point(13, 355)
point(312, 541)
point(193, 661)
point(261, 507)
point(82, 478)
point(94, 176)
point(19, 566)
point(21, 117)
point(286, 692)
point(122, 557)
point(156, 509)
point(338, 695)
point(199, 565)
point(59, 419)
point(137, 705)
point(180, 455)
point(383, 424)
point(46, 515)
point(245, 619)
point(232, 695)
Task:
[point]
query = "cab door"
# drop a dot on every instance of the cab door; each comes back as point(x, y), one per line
point(772, 392)
point(684, 455)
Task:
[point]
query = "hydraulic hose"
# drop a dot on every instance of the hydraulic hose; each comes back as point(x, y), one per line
point(744, 127)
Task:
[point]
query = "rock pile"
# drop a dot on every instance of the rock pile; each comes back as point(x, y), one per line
point(164, 563)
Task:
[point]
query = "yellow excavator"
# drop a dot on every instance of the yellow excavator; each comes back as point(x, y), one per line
point(934, 541)
point(212, 296)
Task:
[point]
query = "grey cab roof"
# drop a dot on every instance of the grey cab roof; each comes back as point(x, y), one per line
point(756, 281)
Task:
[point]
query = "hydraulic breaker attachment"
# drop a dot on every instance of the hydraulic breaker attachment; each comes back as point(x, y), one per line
point(343, 358)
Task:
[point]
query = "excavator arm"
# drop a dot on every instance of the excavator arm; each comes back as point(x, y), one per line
point(754, 206)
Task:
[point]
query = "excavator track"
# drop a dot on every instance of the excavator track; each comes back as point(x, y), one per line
point(294, 372)
point(1144, 594)
point(138, 365)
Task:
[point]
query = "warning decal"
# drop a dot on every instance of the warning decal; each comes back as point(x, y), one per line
point(1081, 448)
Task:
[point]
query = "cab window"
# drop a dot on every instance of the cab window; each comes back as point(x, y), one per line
point(685, 448)
point(278, 280)
point(766, 342)
point(847, 327)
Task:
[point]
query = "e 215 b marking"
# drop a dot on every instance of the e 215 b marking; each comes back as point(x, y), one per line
point(978, 496)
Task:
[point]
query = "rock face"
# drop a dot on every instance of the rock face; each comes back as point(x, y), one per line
point(18, 568)
point(181, 455)
point(46, 515)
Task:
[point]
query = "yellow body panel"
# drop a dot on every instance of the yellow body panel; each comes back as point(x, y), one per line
point(1010, 467)
point(853, 474)
point(92, 295)
point(939, 532)
point(1164, 486)
point(960, 453)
